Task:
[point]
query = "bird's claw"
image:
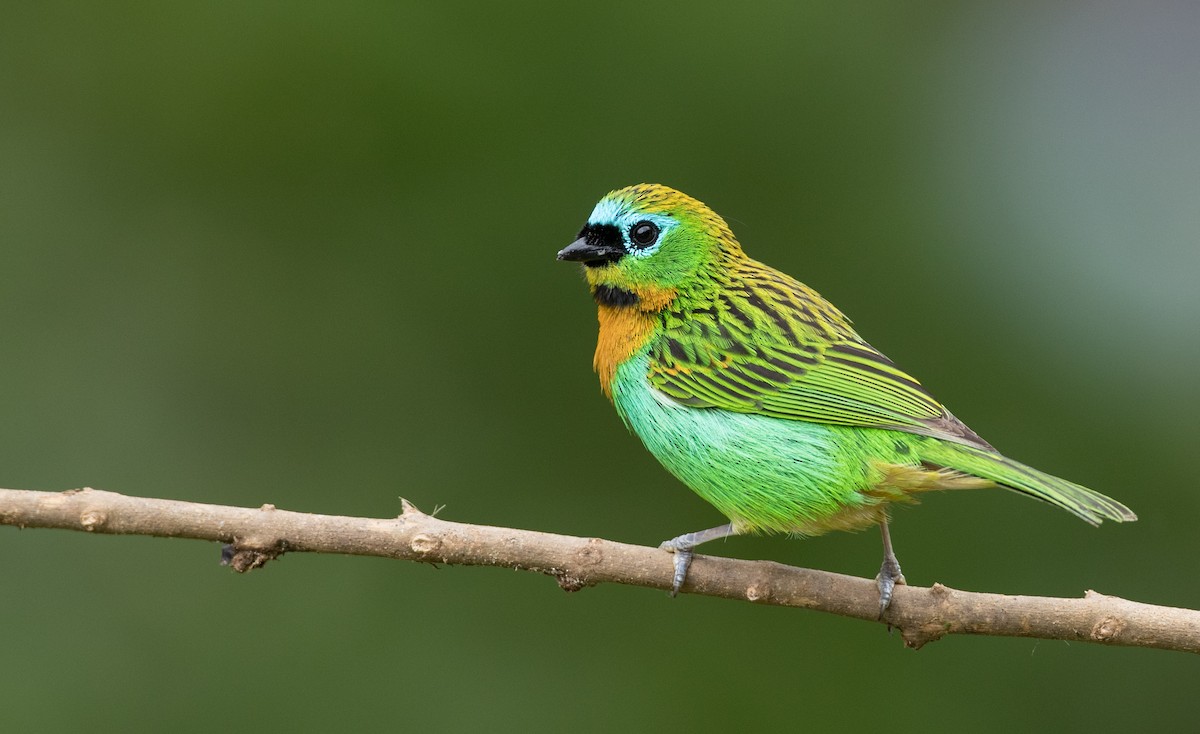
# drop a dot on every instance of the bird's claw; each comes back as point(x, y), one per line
point(682, 547)
point(889, 576)
point(683, 561)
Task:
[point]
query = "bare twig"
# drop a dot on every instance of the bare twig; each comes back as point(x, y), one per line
point(921, 614)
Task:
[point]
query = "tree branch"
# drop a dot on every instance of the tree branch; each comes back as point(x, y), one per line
point(921, 614)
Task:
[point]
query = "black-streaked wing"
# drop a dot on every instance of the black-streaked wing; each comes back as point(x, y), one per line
point(772, 346)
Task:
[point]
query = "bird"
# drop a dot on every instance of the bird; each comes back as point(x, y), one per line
point(759, 395)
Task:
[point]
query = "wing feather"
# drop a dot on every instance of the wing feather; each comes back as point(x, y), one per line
point(773, 346)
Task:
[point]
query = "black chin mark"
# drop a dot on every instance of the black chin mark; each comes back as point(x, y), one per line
point(608, 295)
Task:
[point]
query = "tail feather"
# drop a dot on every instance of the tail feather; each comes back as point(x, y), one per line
point(1086, 504)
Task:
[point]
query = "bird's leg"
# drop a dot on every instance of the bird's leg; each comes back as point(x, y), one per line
point(682, 548)
point(889, 572)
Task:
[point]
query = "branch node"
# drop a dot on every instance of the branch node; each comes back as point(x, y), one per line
point(568, 582)
point(1107, 629)
point(92, 520)
point(407, 508)
point(243, 555)
point(425, 544)
point(267, 507)
point(918, 636)
point(591, 553)
point(759, 591)
point(247, 559)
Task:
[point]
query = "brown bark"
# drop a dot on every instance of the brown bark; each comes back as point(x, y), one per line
point(921, 614)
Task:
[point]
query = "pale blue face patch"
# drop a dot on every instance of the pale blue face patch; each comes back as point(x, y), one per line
point(619, 214)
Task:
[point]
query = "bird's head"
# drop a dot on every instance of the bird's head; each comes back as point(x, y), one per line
point(642, 244)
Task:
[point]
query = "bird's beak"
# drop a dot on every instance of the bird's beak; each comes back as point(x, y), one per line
point(591, 254)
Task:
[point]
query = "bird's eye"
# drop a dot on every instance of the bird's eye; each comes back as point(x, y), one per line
point(643, 234)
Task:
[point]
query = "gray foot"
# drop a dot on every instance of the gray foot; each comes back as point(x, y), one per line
point(889, 576)
point(683, 561)
point(682, 548)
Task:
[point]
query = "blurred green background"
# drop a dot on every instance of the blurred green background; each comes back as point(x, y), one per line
point(303, 253)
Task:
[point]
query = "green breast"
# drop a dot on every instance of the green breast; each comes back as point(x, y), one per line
point(763, 473)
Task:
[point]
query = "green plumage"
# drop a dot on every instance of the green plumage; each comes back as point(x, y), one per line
point(767, 344)
point(758, 394)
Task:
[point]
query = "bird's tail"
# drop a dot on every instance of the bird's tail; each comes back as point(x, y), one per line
point(1080, 501)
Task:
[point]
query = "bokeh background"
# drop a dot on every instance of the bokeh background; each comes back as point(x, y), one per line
point(303, 253)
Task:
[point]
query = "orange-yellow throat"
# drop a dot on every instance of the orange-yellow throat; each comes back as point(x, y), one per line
point(624, 330)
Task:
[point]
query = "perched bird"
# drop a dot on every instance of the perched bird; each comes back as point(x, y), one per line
point(756, 392)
